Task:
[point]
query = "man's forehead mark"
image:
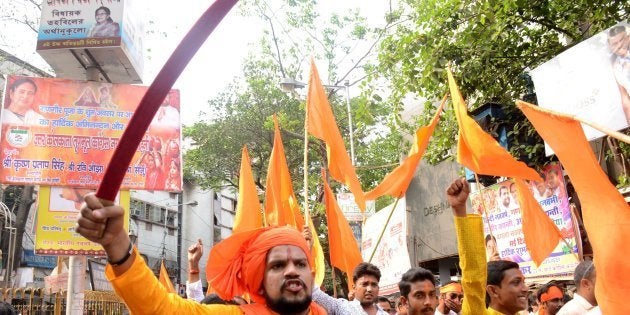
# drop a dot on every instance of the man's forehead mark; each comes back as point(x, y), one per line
point(286, 253)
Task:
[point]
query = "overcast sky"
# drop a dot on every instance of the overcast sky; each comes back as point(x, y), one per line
point(217, 62)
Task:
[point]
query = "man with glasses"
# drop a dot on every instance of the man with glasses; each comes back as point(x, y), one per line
point(451, 296)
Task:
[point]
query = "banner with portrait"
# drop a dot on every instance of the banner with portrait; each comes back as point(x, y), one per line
point(392, 255)
point(591, 80)
point(80, 24)
point(503, 226)
point(63, 133)
point(57, 211)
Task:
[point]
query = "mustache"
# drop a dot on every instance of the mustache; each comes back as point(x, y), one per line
point(288, 281)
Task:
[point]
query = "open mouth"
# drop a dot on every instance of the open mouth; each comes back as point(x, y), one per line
point(294, 285)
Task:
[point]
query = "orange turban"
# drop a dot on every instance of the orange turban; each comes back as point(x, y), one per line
point(552, 293)
point(451, 287)
point(236, 265)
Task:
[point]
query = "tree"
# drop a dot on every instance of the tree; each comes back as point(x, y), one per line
point(490, 45)
point(241, 115)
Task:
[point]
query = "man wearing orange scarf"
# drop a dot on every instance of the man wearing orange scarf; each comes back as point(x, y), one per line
point(271, 265)
point(550, 298)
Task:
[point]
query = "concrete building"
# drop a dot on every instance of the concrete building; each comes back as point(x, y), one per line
point(211, 221)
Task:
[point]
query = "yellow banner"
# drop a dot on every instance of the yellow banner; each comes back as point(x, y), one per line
point(57, 213)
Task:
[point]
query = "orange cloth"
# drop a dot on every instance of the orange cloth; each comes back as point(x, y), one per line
point(477, 150)
point(552, 293)
point(143, 294)
point(281, 206)
point(165, 280)
point(395, 184)
point(344, 249)
point(261, 309)
point(540, 233)
point(162, 302)
point(322, 125)
point(606, 214)
point(451, 287)
point(236, 265)
point(248, 213)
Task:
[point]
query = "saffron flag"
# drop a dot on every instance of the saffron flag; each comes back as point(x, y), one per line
point(540, 233)
point(606, 213)
point(477, 150)
point(165, 280)
point(322, 125)
point(344, 249)
point(396, 183)
point(281, 206)
point(248, 212)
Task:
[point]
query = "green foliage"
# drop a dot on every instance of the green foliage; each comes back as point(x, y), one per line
point(490, 45)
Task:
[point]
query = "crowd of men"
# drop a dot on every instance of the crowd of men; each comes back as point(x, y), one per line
point(272, 268)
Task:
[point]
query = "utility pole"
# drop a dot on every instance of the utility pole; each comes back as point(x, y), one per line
point(77, 264)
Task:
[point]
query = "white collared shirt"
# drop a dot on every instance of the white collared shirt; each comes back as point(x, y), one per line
point(577, 306)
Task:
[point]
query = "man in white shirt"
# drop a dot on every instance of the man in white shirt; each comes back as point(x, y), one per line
point(584, 297)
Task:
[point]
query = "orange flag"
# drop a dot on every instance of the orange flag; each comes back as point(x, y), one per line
point(344, 250)
point(477, 150)
point(536, 225)
point(606, 214)
point(165, 280)
point(396, 183)
point(322, 125)
point(248, 212)
point(281, 206)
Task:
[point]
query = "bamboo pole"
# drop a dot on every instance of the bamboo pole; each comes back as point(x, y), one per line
point(483, 204)
point(612, 133)
point(378, 241)
point(307, 212)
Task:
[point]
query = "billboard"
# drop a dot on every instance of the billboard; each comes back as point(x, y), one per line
point(503, 226)
point(590, 80)
point(391, 256)
point(63, 133)
point(80, 24)
point(57, 217)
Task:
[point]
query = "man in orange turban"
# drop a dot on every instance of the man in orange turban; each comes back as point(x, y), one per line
point(451, 296)
point(550, 297)
point(272, 265)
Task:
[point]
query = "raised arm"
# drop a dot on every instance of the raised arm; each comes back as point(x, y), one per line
point(472, 257)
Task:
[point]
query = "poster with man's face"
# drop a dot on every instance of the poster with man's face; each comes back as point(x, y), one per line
point(590, 80)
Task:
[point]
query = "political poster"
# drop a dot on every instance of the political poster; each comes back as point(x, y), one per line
point(503, 224)
point(57, 211)
point(392, 255)
point(63, 133)
point(591, 80)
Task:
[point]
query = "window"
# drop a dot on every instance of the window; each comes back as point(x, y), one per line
point(148, 226)
point(170, 218)
point(171, 232)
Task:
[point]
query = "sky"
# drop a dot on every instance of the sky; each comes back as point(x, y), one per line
point(217, 62)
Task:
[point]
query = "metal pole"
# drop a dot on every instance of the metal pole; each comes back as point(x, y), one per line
point(180, 207)
point(347, 86)
point(76, 268)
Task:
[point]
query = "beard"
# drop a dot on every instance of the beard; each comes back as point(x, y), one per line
point(284, 306)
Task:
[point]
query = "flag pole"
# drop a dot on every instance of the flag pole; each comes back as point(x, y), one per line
point(378, 241)
point(483, 204)
point(307, 212)
point(612, 133)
